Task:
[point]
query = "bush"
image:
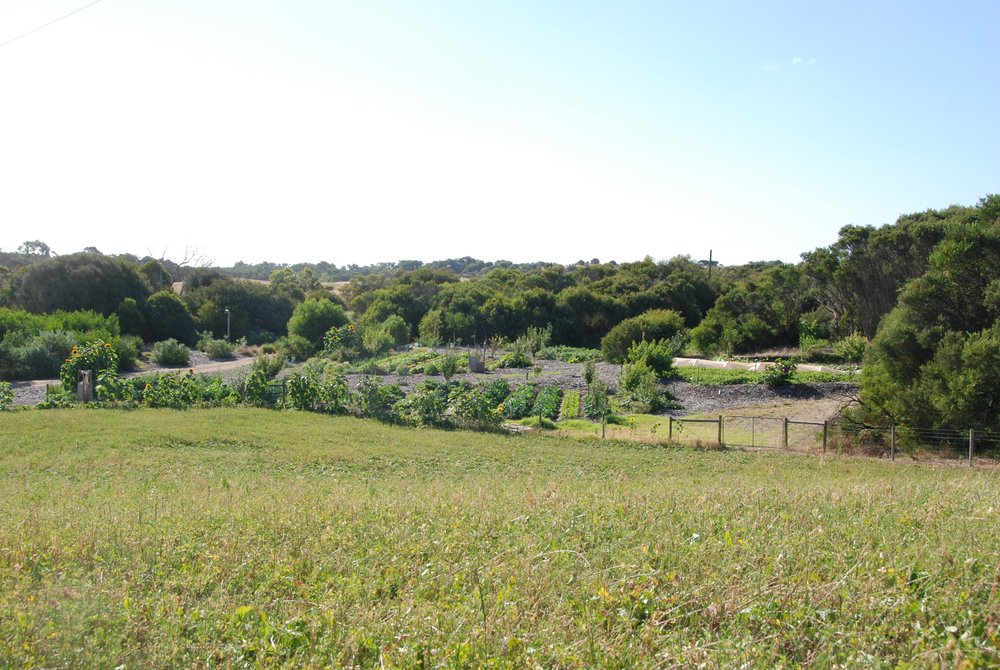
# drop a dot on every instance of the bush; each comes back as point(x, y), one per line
point(569, 354)
point(497, 391)
point(852, 348)
point(472, 407)
point(810, 346)
point(313, 318)
point(6, 396)
point(658, 355)
point(170, 352)
point(128, 347)
point(519, 403)
point(638, 389)
point(398, 330)
point(514, 359)
point(216, 348)
point(548, 402)
point(656, 324)
point(269, 365)
point(432, 369)
point(379, 401)
point(167, 317)
point(449, 366)
point(427, 404)
point(780, 373)
point(589, 372)
point(295, 347)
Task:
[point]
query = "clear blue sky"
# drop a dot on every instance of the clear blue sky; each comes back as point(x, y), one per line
point(356, 132)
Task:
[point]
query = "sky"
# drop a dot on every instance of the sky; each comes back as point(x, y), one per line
point(368, 131)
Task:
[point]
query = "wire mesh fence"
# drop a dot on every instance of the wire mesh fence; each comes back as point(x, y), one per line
point(753, 431)
point(837, 437)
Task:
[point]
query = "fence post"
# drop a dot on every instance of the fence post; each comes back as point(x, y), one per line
point(753, 431)
point(784, 433)
point(892, 442)
point(826, 425)
point(719, 432)
point(670, 429)
point(972, 443)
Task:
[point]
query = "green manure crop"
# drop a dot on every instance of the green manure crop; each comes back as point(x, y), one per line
point(240, 537)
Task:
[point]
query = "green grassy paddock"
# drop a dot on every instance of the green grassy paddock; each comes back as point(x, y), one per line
point(243, 537)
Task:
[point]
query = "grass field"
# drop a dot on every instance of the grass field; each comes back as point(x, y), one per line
point(244, 537)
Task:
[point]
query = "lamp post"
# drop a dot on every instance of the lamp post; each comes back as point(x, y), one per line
point(227, 324)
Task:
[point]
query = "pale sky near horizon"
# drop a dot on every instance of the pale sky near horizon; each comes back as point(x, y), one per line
point(358, 132)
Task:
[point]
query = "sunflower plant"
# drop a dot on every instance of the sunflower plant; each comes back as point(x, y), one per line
point(97, 355)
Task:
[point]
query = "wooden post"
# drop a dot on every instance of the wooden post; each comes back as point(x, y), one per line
point(719, 431)
point(972, 443)
point(753, 431)
point(892, 442)
point(826, 425)
point(670, 429)
point(603, 421)
point(784, 433)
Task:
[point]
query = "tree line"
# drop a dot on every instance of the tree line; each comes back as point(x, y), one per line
point(924, 291)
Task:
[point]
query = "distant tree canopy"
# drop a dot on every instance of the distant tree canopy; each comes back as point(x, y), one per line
point(925, 290)
point(858, 278)
point(78, 281)
point(256, 311)
point(936, 358)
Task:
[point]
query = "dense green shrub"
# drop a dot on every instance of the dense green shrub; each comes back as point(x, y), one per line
point(519, 403)
point(6, 396)
point(313, 318)
point(170, 352)
point(449, 366)
point(497, 391)
point(79, 281)
point(294, 348)
point(569, 354)
point(547, 402)
point(514, 359)
point(269, 364)
point(167, 317)
point(130, 317)
point(215, 348)
point(343, 343)
point(852, 348)
point(473, 409)
point(639, 390)
point(86, 325)
point(128, 348)
point(376, 400)
point(427, 404)
point(656, 324)
point(658, 355)
point(779, 373)
point(398, 330)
